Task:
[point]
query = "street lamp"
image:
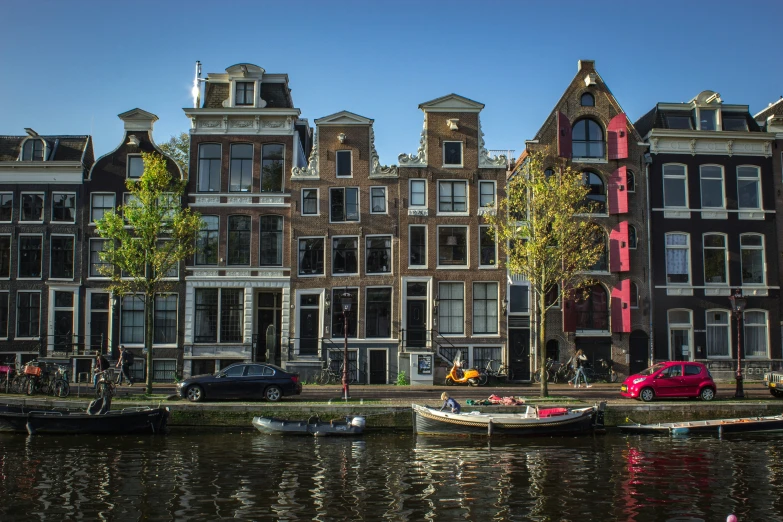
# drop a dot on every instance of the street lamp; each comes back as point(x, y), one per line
point(738, 304)
point(345, 300)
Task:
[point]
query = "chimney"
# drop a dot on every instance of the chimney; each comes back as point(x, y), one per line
point(138, 120)
point(587, 65)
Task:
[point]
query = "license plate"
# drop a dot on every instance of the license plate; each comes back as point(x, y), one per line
point(624, 388)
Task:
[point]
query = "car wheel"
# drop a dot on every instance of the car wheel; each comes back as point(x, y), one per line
point(273, 394)
point(776, 393)
point(707, 394)
point(195, 393)
point(647, 394)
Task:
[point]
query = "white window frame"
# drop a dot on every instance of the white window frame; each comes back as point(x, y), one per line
point(317, 201)
point(727, 327)
point(16, 314)
point(21, 205)
point(631, 287)
point(478, 239)
point(636, 235)
point(358, 204)
point(135, 297)
point(51, 257)
point(359, 257)
point(704, 249)
point(45, 148)
point(19, 254)
point(249, 189)
point(337, 154)
point(461, 154)
point(219, 323)
point(453, 182)
point(261, 173)
point(464, 310)
point(128, 165)
point(220, 168)
point(391, 310)
point(176, 265)
point(763, 249)
point(687, 248)
point(113, 196)
point(8, 314)
point(629, 174)
point(391, 255)
point(410, 192)
point(494, 192)
point(722, 186)
point(256, 94)
point(718, 120)
point(176, 315)
point(466, 266)
point(426, 248)
point(472, 303)
point(757, 178)
point(756, 325)
point(299, 261)
point(679, 326)
point(683, 177)
point(385, 200)
point(89, 259)
point(75, 206)
point(12, 206)
point(52, 310)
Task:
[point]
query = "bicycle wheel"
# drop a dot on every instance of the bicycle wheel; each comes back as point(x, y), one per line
point(537, 376)
point(32, 386)
point(324, 377)
point(61, 388)
point(483, 378)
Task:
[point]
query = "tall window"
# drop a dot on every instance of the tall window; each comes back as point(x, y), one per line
point(244, 93)
point(748, 188)
point(453, 196)
point(587, 139)
point(707, 119)
point(452, 246)
point(205, 324)
point(132, 320)
point(755, 325)
point(32, 207)
point(485, 308)
point(63, 207)
point(417, 245)
point(677, 258)
point(712, 186)
point(344, 204)
point(238, 240)
point(487, 194)
point(418, 193)
point(752, 258)
point(101, 204)
point(338, 321)
point(209, 167)
point(487, 248)
point(378, 317)
point(675, 189)
point(241, 167)
point(378, 254)
point(632, 237)
point(592, 312)
point(311, 256)
point(452, 153)
point(595, 200)
point(718, 331)
point(6, 206)
point(272, 168)
point(163, 246)
point(30, 256)
point(33, 150)
point(587, 100)
point(599, 238)
point(271, 241)
point(97, 265)
point(630, 181)
point(5, 256)
point(28, 314)
point(345, 255)
point(231, 312)
point(62, 257)
point(4, 314)
point(634, 295)
point(135, 166)
point(715, 269)
point(207, 241)
point(451, 308)
point(344, 167)
point(310, 202)
point(378, 200)
point(165, 319)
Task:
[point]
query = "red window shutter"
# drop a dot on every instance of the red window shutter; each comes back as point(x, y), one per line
point(617, 193)
point(619, 260)
point(617, 137)
point(563, 136)
point(621, 307)
point(569, 315)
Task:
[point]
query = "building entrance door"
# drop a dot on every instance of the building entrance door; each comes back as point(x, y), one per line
point(416, 324)
point(519, 354)
point(377, 366)
point(680, 344)
point(637, 348)
point(309, 312)
point(269, 315)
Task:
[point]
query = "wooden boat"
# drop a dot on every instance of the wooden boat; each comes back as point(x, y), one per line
point(313, 426)
point(35, 420)
point(709, 427)
point(533, 421)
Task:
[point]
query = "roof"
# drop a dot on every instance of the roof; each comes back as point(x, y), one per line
point(64, 148)
point(773, 109)
point(275, 94)
point(657, 118)
point(451, 103)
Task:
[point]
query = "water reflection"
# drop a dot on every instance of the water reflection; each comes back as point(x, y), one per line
point(389, 477)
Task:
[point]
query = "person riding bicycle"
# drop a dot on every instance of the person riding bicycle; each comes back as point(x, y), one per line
point(101, 365)
point(450, 403)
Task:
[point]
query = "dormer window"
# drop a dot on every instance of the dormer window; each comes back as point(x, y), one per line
point(33, 150)
point(734, 122)
point(707, 119)
point(678, 121)
point(587, 100)
point(244, 93)
point(135, 166)
point(452, 153)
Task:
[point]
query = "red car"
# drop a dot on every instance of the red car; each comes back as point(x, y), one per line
point(672, 379)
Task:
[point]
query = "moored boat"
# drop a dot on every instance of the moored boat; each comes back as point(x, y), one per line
point(533, 421)
point(709, 427)
point(313, 426)
point(35, 420)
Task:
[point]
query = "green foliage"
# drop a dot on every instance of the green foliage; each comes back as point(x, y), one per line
point(178, 148)
point(402, 379)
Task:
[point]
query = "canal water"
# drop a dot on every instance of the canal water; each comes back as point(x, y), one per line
point(249, 476)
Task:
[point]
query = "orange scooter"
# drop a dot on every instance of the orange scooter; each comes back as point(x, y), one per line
point(457, 375)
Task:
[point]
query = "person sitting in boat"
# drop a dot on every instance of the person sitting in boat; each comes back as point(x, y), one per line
point(450, 403)
point(101, 365)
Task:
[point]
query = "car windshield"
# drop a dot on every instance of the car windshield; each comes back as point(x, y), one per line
point(652, 369)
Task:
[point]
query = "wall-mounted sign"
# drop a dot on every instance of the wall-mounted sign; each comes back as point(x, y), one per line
point(425, 364)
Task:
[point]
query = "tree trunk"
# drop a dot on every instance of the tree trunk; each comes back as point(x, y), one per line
point(149, 311)
point(541, 321)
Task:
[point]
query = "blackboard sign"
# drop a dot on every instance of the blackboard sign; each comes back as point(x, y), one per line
point(425, 364)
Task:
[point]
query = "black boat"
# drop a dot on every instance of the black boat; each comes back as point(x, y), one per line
point(312, 426)
point(35, 420)
point(709, 427)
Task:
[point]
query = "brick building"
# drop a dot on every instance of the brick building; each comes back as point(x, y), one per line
point(590, 131)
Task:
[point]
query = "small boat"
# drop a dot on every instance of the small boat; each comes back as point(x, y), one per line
point(709, 427)
point(313, 426)
point(533, 421)
point(35, 420)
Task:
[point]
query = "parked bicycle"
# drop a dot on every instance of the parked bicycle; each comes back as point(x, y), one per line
point(330, 376)
point(604, 373)
point(499, 374)
point(47, 379)
point(106, 384)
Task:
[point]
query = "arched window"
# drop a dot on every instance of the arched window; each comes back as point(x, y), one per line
point(548, 173)
point(634, 295)
point(587, 139)
point(587, 100)
point(592, 313)
point(596, 198)
point(602, 264)
point(632, 239)
point(630, 181)
point(33, 150)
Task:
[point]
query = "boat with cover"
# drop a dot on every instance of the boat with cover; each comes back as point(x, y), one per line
point(709, 427)
point(98, 419)
point(313, 426)
point(533, 421)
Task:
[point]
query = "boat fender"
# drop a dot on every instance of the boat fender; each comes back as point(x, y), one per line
point(490, 428)
point(358, 422)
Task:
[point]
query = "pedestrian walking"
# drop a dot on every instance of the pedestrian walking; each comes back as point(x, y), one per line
point(125, 362)
point(580, 359)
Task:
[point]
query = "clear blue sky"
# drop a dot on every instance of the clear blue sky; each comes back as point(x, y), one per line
point(71, 67)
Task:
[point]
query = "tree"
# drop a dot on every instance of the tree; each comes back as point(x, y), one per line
point(543, 225)
point(178, 147)
point(148, 236)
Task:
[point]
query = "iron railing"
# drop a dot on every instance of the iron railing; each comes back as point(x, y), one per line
point(68, 345)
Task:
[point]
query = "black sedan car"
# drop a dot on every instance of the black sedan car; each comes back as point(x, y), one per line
point(242, 381)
